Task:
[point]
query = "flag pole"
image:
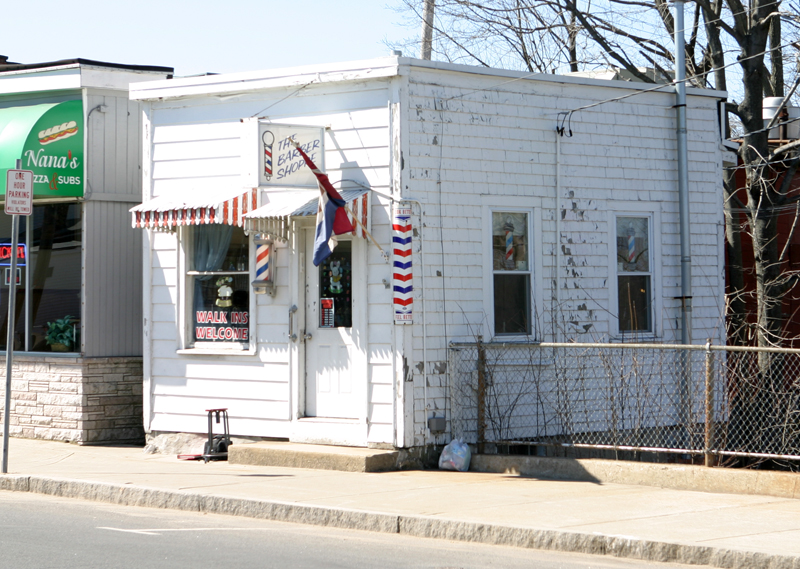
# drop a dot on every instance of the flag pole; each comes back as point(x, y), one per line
point(367, 233)
point(351, 214)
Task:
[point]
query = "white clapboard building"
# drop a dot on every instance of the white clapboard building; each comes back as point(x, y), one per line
point(474, 217)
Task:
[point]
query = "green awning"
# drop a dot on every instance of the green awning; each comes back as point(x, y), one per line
point(48, 139)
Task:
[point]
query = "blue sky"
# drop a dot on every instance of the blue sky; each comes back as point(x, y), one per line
point(202, 35)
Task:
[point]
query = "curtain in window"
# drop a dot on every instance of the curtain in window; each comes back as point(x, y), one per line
point(211, 244)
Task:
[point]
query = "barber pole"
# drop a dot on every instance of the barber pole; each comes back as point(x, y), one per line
point(263, 250)
point(631, 245)
point(402, 273)
point(268, 139)
point(509, 230)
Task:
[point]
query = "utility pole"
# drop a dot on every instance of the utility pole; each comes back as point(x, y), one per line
point(427, 30)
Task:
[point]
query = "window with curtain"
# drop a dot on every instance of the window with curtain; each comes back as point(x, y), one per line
point(218, 280)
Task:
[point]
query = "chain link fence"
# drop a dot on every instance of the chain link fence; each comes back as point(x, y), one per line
point(712, 400)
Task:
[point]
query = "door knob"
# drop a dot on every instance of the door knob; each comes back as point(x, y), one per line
point(306, 336)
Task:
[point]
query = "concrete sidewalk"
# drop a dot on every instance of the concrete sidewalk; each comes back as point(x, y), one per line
point(658, 524)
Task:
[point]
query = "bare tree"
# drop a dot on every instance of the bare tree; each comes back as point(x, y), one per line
point(730, 46)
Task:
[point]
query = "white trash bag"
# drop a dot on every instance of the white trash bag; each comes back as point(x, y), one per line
point(455, 456)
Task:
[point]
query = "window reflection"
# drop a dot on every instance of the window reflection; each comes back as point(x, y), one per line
point(51, 265)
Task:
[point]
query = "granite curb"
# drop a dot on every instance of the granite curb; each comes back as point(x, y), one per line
point(417, 526)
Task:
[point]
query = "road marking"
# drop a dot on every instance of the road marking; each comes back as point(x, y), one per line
point(142, 532)
point(159, 531)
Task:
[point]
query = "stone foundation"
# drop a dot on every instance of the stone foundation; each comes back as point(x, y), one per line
point(74, 399)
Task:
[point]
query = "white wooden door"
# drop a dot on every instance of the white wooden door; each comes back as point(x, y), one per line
point(330, 349)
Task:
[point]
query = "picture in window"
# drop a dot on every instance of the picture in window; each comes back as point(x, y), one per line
point(219, 271)
point(633, 274)
point(511, 273)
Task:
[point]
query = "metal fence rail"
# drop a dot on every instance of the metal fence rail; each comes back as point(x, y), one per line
point(712, 400)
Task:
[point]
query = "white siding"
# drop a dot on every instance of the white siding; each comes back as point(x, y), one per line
point(198, 145)
point(475, 141)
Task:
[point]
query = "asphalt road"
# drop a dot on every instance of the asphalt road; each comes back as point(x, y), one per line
point(51, 533)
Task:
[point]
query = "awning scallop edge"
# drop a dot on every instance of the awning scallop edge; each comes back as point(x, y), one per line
point(195, 207)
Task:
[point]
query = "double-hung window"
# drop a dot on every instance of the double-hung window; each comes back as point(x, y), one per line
point(634, 264)
point(218, 287)
point(511, 273)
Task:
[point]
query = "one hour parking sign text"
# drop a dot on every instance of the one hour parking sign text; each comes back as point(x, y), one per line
point(19, 192)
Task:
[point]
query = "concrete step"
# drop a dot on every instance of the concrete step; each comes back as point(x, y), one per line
point(319, 457)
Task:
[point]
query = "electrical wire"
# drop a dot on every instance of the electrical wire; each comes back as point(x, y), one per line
point(659, 87)
point(292, 94)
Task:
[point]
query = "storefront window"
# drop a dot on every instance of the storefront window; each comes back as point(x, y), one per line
point(219, 278)
point(48, 303)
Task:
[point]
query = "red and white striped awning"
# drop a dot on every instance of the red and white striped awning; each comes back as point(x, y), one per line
point(195, 207)
point(273, 218)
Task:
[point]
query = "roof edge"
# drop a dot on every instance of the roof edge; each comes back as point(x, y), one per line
point(80, 61)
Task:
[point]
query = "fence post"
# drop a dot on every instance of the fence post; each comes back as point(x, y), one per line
point(709, 433)
point(481, 395)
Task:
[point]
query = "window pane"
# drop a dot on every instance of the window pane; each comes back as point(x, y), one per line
point(55, 265)
point(5, 262)
point(221, 308)
point(220, 303)
point(509, 241)
point(512, 305)
point(633, 244)
point(335, 288)
point(634, 303)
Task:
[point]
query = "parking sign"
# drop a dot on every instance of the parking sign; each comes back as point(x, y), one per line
point(19, 192)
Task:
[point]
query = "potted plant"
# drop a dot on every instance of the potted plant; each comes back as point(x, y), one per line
point(61, 334)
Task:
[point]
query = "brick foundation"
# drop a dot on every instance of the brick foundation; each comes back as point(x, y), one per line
point(74, 399)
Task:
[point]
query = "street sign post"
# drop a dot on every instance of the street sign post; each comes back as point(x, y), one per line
point(18, 201)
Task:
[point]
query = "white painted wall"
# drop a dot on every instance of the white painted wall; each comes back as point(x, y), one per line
point(202, 143)
point(477, 142)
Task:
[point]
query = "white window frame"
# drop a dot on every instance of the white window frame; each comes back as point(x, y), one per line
point(497, 204)
point(186, 297)
point(656, 260)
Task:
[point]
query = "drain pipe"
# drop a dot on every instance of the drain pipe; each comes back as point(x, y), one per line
point(557, 244)
point(426, 431)
point(683, 199)
point(683, 177)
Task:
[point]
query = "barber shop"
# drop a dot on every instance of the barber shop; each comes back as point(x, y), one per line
point(318, 240)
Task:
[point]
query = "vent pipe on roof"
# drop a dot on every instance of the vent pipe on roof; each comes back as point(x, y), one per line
point(787, 126)
point(427, 30)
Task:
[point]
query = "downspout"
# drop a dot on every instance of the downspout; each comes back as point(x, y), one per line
point(683, 199)
point(422, 296)
point(557, 244)
point(683, 176)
